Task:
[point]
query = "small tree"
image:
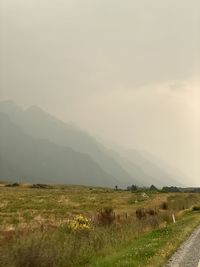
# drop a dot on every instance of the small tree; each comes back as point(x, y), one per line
point(133, 188)
point(153, 188)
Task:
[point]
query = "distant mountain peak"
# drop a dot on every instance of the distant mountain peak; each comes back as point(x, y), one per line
point(35, 108)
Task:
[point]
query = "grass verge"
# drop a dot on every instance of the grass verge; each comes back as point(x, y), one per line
point(154, 248)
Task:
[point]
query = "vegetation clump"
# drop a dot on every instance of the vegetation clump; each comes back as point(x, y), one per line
point(140, 213)
point(170, 189)
point(13, 185)
point(164, 205)
point(41, 186)
point(196, 208)
point(106, 216)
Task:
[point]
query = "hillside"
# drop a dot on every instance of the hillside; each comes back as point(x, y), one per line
point(41, 125)
point(148, 169)
point(27, 159)
point(122, 167)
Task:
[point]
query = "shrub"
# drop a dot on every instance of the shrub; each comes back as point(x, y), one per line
point(196, 208)
point(106, 216)
point(152, 212)
point(13, 185)
point(140, 213)
point(40, 186)
point(164, 206)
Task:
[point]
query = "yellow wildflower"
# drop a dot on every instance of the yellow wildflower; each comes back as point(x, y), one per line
point(80, 222)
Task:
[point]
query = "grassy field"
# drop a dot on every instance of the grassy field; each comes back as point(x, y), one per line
point(80, 226)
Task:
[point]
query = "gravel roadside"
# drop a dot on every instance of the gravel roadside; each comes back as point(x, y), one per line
point(188, 255)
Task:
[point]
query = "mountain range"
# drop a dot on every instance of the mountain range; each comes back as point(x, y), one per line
point(37, 147)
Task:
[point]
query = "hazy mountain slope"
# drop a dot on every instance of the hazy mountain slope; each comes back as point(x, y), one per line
point(25, 158)
point(175, 176)
point(39, 124)
point(155, 171)
point(127, 166)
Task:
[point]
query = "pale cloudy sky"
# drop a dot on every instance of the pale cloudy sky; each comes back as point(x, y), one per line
point(126, 71)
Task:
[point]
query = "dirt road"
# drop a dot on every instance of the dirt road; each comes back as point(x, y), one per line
point(188, 255)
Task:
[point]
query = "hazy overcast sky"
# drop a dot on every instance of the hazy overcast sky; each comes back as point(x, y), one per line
point(126, 71)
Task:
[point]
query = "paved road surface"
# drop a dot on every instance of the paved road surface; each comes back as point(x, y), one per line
point(188, 255)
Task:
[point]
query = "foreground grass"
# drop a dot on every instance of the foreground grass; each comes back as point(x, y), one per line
point(130, 245)
point(154, 248)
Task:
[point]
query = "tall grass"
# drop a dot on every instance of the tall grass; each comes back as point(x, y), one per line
point(63, 247)
point(183, 201)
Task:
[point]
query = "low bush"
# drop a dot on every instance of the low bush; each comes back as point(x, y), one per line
point(196, 208)
point(140, 213)
point(106, 216)
point(152, 212)
point(12, 185)
point(164, 206)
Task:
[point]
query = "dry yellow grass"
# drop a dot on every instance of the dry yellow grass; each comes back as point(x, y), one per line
point(24, 205)
point(32, 217)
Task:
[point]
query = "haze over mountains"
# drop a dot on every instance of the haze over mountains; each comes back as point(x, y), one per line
point(36, 147)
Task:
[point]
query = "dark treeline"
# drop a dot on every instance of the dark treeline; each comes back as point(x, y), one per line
point(166, 189)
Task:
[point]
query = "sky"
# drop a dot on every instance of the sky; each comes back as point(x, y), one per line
point(128, 72)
